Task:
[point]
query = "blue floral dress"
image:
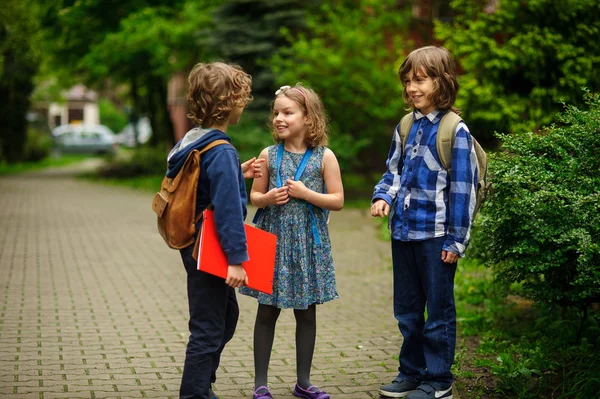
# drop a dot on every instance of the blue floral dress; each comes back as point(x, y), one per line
point(304, 273)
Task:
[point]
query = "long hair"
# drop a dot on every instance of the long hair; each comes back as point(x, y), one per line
point(438, 64)
point(312, 107)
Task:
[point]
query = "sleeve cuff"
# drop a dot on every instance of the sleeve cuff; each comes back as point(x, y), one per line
point(384, 197)
point(237, 258)
point(455, 247)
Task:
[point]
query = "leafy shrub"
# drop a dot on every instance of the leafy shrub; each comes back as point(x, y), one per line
point(251, 135)
point(520, 59)
point(111, 116)
point(38, 145)
point(542, 221)
point(143, 161)
point(350, 57)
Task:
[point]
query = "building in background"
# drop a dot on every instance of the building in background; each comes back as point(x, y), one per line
point(80, 107)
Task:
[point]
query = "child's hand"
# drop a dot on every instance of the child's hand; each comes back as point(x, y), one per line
point(449, 257)
point(252, 168)
point(236, 276)
point(380, 208)
point(297, 189)
point(277, 196)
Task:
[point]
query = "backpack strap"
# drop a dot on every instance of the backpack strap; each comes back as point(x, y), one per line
point(213, 144)
point(405, 125)
point(171, 184)
point(301, 167)
point(207, 147)
point(445, 138)
point(307, 154)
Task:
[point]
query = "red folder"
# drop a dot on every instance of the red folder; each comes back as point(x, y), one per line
point(261, 250)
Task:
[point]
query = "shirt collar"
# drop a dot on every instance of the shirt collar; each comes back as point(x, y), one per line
point(432, 116)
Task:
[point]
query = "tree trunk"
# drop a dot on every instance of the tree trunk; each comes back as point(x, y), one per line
point(15, 88)
point(162, 127)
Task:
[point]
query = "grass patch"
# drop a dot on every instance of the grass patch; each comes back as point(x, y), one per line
point(143, 183)
point(48, 162)
point(511, 347)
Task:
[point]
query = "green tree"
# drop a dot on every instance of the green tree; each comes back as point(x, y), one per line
point(522, 59)
point(542, 221)
point(19, 60)
point(138, 43)
point(350, 57)
point(248, 32)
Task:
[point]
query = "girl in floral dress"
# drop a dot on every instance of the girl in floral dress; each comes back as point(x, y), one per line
point(300, 183)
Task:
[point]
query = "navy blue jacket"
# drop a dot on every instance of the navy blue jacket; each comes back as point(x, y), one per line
point(221, 183)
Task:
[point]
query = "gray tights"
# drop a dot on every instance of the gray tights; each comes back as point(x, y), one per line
point(264, 333)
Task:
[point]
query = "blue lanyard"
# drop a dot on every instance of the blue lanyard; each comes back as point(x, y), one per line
point(297, 176)
point(300, 169)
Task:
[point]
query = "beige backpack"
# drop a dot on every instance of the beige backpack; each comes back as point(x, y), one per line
point(444, 141)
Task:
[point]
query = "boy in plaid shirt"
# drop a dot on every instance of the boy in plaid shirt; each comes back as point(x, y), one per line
point(430, 214)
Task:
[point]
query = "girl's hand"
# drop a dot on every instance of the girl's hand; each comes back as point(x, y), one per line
point(252, 168)
point(297, 189)
point(277, 196)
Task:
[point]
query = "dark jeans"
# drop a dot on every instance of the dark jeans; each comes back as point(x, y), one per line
point(422, 279)
point(213, 317)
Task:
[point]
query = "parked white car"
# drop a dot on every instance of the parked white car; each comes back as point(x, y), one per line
point(85, 139)
point(144, 132)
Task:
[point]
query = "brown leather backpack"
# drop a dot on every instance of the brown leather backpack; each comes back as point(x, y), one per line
point(175, 203)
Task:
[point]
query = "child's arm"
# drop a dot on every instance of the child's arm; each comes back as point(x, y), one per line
point(259, 195)
point(380, 208)
point(251, 168)
point(224, 174)
point(333, 200)
point(461, 197)
point(386, 190)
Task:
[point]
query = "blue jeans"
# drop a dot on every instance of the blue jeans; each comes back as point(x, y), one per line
point(422, 279)
point(213, 317)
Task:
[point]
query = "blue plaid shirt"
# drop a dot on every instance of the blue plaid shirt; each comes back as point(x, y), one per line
point(426, 201)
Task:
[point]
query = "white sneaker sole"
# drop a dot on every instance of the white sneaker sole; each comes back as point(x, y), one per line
point(387, 394)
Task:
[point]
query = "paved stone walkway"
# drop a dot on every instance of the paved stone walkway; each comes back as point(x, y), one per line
point(93, 304)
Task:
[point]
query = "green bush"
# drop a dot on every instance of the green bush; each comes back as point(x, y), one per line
point(111, 116)
point(142, 161)
point(542, 221)
point(520, 59)
point(350, 57)
point(37, 146)
point(251, 135)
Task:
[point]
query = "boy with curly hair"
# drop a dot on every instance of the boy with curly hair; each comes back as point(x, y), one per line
point(217, 95)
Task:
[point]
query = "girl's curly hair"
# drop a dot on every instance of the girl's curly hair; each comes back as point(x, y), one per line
point(214, 90)
point(438, 64)
point(310, 103)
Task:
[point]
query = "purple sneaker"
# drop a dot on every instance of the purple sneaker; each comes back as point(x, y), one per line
point(311, 393)
point(265, 394)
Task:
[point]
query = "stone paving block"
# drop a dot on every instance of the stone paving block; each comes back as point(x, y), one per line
point(93, 304)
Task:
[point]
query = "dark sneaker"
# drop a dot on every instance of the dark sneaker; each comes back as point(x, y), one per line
point(212, 394)
point(398, 388)
point(431, 391)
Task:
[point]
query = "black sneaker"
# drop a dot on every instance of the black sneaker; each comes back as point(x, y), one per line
point(431, 391)
point(399, 388)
